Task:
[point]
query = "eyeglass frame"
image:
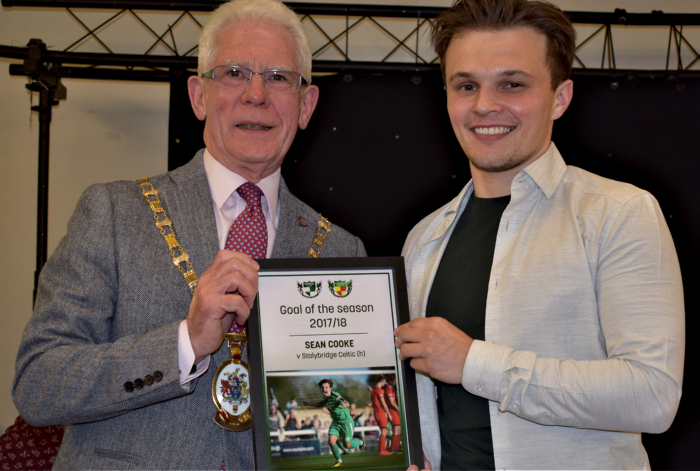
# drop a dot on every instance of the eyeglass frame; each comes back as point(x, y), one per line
point(210, 75)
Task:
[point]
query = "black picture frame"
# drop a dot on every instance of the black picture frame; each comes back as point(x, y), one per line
point(412, 452)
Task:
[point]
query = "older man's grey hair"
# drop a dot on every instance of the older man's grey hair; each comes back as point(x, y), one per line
point(254, 11)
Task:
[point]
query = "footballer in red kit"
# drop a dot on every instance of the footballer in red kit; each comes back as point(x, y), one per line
point(394, 413)
point(381, 413)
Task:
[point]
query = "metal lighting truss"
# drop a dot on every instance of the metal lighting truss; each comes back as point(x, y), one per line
point(406, 28)
point(336, 30)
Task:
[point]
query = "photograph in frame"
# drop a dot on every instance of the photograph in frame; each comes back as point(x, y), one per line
point(331, 321)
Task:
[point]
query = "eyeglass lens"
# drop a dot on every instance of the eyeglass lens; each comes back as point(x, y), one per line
point(238, 77)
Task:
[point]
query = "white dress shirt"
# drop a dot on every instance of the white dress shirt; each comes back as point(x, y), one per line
point(584, 321)
point(228, 204)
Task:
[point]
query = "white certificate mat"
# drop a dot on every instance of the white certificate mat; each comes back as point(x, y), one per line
point(323, 321)
point(327, 319)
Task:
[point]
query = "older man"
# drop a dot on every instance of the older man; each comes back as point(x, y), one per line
point(118, 347)
point(547, 301)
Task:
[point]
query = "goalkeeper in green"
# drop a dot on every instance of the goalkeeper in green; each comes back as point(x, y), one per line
point(342, 425)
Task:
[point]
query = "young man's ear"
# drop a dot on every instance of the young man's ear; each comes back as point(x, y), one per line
point(564, 93)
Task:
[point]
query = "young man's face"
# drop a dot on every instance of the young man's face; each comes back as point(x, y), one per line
point(499, 97)
point(326, 389)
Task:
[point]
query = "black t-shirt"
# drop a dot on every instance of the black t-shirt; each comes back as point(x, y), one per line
point(458, 295)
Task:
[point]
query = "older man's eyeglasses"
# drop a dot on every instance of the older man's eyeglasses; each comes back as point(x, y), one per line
point(234, 77)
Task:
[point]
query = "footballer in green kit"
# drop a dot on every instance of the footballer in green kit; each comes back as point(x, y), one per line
point(342, 425)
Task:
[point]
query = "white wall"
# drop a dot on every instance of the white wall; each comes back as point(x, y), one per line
point(118, 130)
point(104, 131)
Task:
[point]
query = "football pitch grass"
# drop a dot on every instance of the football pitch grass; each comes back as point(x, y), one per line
point(357, 460)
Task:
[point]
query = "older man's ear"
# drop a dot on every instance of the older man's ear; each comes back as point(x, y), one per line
point(195, 88)
point(309, 99)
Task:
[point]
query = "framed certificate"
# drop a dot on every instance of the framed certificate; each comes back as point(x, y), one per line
point(327, 384)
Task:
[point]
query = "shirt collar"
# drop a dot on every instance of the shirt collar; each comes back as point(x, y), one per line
point(547, 171)
point(223, 182)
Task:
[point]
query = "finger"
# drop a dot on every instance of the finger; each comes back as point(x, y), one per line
point(214, 305)
point(420, 365)
point(413, 350)
point(242, 316)
point(232, 283)
point(233, 268)
point(414, 330)
point(224, 256)
point(226, 323)
point(209, 306)
point(248, 293)
point(248, 268)
point(227, 262)
point(236, 306)
point(240, 282)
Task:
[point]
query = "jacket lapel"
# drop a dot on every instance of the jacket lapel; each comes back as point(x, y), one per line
point(293, 239)
point(188, 200)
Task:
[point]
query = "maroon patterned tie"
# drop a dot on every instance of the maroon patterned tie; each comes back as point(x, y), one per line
point(248, 233)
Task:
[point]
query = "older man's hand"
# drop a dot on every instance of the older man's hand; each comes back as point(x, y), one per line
point(225, 291)
point(435, 347)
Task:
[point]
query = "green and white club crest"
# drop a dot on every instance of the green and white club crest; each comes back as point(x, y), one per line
point(310, 289)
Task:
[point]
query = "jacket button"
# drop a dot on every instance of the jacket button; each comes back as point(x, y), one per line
point(128, 386)
point(138, 384)
point(157, 376)
point(148, 380)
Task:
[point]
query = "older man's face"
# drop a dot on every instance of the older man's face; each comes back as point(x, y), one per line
point(250, 130)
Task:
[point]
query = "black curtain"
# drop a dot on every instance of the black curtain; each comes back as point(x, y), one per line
point(380, 154)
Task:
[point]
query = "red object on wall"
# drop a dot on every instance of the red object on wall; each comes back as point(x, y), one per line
point(25, 447)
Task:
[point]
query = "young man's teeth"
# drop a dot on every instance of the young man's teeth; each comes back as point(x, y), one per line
point(492, 131)
point(252, 126)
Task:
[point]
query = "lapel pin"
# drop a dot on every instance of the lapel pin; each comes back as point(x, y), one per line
point(302, 222)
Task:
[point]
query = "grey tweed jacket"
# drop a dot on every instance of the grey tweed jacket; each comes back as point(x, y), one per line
point(107, 312)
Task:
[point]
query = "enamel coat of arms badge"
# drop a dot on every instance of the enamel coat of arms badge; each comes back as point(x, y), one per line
point(231, 392)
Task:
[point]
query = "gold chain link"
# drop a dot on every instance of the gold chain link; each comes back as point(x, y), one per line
point(165, 225)
point(324, 228)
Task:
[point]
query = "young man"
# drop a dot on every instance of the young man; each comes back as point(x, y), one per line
point(342, 425)
point(547, 301)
